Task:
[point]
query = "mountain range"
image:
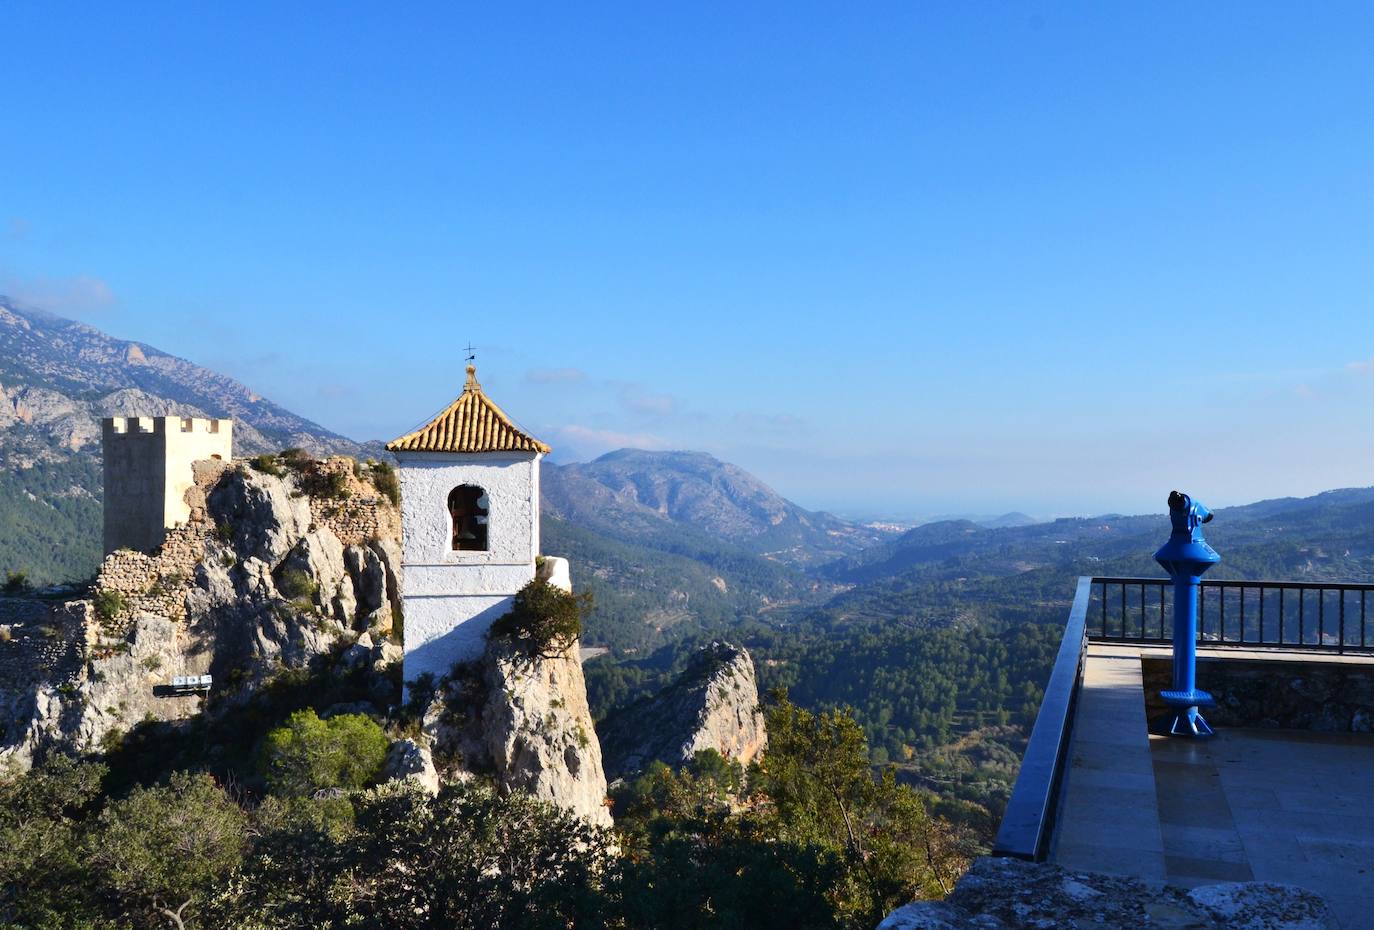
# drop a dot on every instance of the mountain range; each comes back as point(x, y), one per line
point(938, 637)
point(670, 543)
point(666, 535)
point(58, 378)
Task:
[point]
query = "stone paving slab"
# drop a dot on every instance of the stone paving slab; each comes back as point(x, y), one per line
point(1292, 807)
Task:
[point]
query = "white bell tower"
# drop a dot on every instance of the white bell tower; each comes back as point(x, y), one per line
point(470, 527)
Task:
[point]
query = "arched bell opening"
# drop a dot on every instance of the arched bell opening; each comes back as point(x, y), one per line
point(467, 509)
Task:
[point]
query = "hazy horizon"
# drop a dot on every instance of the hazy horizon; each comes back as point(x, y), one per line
point(926, 260)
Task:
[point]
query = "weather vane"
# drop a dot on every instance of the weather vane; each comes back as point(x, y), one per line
point(472, 353)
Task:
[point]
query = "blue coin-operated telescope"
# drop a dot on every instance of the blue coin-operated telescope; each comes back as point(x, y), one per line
point(1185, 557)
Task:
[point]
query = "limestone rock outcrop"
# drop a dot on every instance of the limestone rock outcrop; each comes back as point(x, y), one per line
point(523, 720)
point(713, 705)
point(259, 513)
point(217, 599)
point(539, 731)
point(317, 559)
point(408, 760)
point(1008, 894)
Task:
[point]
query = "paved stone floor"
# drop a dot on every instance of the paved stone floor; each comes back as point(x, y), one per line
point(1265, 805)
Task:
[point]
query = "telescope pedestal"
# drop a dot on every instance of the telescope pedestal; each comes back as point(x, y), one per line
point(1186, 718)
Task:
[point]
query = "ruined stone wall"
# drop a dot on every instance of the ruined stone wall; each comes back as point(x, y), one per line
point(360, 514)
point(40, 641)
point(157, 582)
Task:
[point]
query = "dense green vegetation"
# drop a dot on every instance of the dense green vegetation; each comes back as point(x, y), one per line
point(674, 587)
point(49, 520)
point(308, 754)
point(946, 708)
point(808, 840)
point(543, 620)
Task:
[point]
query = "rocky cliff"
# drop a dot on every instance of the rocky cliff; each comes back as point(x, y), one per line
point(713, 705)
point(1008, 894)
point(523, 721)
point(259, 580)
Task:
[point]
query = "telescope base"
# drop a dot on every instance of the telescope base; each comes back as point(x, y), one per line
point(1194, 698)
point(1187, 723)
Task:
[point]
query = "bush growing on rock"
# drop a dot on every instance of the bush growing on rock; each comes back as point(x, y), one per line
point(267, 464)
point(297, 586)
point(308, 754)
point(295, 458)
point(544, 620)
point(16, 583)
point(385, 481)
point(109, 604)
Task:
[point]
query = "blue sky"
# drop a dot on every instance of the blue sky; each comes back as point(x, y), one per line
point(896, 259)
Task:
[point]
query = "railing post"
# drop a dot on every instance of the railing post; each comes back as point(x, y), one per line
point(1342, 634)
point(1185, 557)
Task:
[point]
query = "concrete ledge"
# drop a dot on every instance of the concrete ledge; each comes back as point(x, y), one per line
point(1108, 812)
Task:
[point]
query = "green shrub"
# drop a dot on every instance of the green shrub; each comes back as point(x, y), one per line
point(296, 585)
point(16, 583)
point(109, 604)
point(168, 848)
point(544, 620)
point(309, 754)
point(295, 458)
point(326, 485)
point(334, 484)
point(385, 481)
point(267, 464)
point(224, 531)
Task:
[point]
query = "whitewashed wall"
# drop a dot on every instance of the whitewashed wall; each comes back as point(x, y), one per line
point(451, 598)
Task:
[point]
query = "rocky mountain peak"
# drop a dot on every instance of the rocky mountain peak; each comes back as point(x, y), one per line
point(641, 493)
point(714, 704)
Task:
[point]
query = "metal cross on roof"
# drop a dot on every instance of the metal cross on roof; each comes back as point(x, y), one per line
point(472, 353)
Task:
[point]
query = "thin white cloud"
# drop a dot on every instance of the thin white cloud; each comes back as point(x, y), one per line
point(638, 399)
point(555, 375)
point(81, 296)
point(770, 422)
point(581, 440)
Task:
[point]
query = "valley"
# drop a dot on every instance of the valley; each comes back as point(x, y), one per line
point(939, 637)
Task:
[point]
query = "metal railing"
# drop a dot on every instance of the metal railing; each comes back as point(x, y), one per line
point(1030, 814)
point(1317, 617)
point(1292, 615)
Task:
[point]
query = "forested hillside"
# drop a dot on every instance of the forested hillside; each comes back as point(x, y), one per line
point(939, 638)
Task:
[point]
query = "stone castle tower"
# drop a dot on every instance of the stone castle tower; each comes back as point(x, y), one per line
point(147, 472)
point(470, 527)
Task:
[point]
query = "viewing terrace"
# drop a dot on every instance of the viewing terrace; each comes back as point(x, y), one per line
point(1282, 792)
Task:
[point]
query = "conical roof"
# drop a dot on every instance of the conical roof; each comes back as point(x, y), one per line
point(472, 423)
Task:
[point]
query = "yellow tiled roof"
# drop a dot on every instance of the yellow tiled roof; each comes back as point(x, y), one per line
point(472, 423)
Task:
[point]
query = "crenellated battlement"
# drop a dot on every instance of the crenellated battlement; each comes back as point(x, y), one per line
point(118, 426)
point(148, 472)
